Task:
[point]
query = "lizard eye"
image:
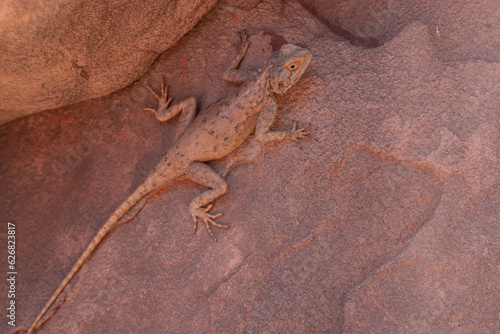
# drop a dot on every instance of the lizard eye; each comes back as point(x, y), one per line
point(293, 66)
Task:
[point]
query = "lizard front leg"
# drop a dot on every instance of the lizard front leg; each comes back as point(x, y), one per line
point(187, 108)
point(232, 74)
point(203, 174)
point(266, 119)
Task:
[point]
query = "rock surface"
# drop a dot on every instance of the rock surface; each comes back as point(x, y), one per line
point(59, 52)
point(388, 223)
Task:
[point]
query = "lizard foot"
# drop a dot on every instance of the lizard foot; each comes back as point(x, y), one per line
point(207, 218)
point(303, 133)
point(242, 47)
point(163, 100)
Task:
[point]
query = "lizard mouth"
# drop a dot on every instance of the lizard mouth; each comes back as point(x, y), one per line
point(282, 88)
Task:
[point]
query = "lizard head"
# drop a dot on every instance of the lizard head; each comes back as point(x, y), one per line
point(286, 66)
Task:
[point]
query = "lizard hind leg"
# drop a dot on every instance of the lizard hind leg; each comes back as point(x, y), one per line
point(203, 174)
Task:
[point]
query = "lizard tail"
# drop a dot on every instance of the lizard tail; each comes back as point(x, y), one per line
point(125, 207)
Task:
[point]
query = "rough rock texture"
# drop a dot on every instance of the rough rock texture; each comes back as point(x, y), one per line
point(458, 30)
point(388, 223)
point(57, 52)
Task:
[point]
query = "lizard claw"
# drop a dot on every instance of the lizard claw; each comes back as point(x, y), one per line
point(163, 100)
point(207, 218)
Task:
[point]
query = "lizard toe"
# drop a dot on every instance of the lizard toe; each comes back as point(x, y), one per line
point(207, 218)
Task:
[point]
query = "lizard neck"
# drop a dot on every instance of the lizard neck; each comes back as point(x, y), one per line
point(256, 90)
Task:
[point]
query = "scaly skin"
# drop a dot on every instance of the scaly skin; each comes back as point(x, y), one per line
point(214, 133)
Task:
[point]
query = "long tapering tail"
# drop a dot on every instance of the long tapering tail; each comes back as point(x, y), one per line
point(125, 207)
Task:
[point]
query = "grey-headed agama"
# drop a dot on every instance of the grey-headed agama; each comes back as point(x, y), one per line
point(212, 134)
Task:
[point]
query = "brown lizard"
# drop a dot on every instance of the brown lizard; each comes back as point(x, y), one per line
point(213, 134)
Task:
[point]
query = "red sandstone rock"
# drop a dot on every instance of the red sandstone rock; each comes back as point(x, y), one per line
point(387, 224)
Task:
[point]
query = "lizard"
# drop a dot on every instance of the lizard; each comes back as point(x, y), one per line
point(212, 134)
